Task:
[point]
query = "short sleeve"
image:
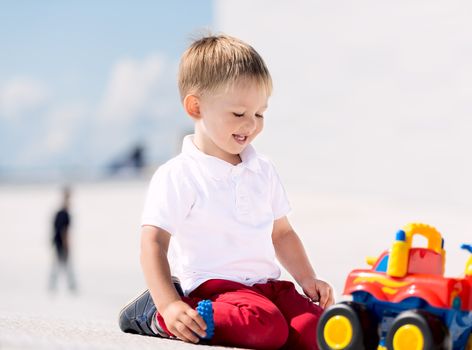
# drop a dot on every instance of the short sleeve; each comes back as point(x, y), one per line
point(280, 203)
point(169, 198)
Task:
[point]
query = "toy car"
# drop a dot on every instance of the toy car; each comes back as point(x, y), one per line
point(403, 302)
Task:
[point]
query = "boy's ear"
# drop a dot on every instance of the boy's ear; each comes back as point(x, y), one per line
point(192, 106)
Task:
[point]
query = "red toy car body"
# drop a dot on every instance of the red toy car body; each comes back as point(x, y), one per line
point(403, 302)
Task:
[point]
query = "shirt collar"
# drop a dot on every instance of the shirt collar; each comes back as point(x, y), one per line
point(217, 167)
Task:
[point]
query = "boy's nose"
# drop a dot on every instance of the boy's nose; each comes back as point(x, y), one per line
point(250, 124)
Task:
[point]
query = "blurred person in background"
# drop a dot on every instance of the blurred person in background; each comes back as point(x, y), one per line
point(61, 244)
point(133, 163)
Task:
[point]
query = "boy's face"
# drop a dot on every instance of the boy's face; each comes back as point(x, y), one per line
point(230, 120)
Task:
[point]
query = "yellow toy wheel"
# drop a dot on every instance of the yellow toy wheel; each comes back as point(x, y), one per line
point(338, 332)
point(408, 337)
point(418, 330)
point(347, 326)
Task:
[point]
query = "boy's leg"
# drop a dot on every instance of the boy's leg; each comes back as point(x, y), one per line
point(301, 314)
point(243, 317)
point(139, 315)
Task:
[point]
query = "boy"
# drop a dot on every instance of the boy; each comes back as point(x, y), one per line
point(224, 207)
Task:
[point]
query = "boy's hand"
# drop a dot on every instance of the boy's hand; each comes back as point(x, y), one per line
point(318, 291)
point(184, 322)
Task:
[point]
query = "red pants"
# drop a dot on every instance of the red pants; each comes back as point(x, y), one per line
point(272, 315)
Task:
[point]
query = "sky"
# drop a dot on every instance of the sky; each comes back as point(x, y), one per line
point(82, 82)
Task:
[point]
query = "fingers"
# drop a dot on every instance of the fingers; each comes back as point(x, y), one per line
point(198, 320)
point(326, 297)
point(184, 333)
point(319, 291)
point(189, 327)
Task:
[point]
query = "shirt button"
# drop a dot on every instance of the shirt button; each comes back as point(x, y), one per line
point(243, 209)
point(236, 173)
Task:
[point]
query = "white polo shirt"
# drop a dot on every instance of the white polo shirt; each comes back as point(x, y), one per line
point(220, 215)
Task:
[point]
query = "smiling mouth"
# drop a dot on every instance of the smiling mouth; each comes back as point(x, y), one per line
point(240, 138)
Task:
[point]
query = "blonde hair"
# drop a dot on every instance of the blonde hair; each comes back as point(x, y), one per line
point(219, 61)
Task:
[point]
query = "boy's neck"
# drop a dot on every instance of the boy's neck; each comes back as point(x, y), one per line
point(200, 143)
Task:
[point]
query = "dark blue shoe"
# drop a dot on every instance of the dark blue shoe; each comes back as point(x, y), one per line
point(137, 316)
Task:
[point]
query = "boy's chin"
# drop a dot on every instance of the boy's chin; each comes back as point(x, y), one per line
point(238, 149)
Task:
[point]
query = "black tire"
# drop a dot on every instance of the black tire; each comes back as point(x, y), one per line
point(363, 324)
point(435, 335)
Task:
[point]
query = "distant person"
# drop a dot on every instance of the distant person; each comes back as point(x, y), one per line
point(133, 161)
point(62, 246)
point(137, 158)
point(225, 208)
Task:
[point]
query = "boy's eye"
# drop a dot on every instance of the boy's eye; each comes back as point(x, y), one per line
point(239, 115)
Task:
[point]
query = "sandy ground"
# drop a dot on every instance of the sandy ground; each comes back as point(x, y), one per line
point(338, 232)
point(28, 332)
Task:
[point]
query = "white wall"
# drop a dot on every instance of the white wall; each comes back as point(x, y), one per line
point(375, 96)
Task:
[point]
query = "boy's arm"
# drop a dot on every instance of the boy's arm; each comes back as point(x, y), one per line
point(291, 254)
point(181, 320)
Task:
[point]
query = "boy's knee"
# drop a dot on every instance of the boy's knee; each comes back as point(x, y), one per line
point(268, 333)
point(303, 333)
point(278, 334)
